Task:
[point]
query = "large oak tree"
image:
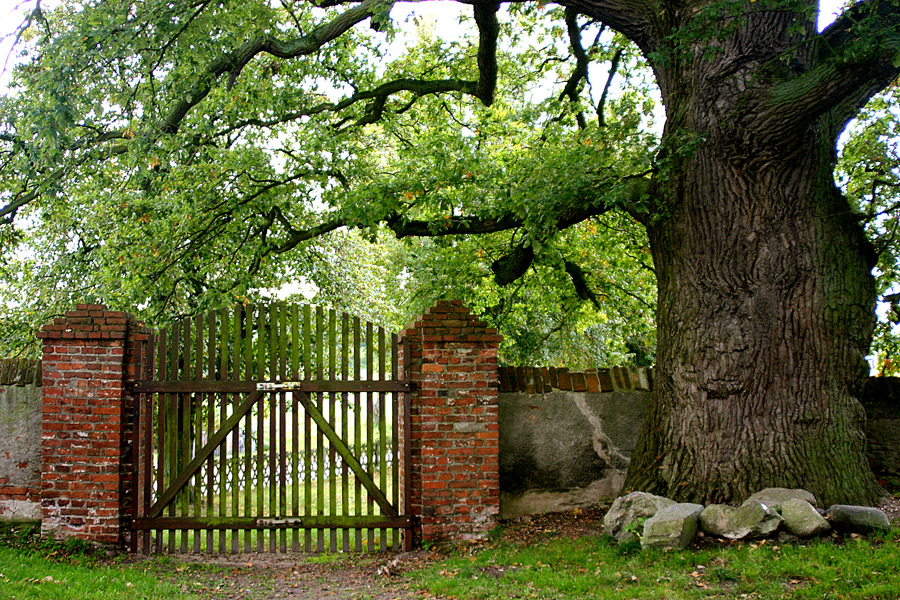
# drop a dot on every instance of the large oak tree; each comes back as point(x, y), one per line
point(185, 118)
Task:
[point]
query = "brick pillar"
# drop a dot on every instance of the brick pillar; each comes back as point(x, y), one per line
point(90, 357)
point(453, 424)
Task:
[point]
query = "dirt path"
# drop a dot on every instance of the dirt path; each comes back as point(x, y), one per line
point(253, 577)
point(339, 577)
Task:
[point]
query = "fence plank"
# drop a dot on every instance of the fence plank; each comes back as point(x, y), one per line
point(210, 400)
point(234, 373)
point(332, 402)
point(320, 443)
point(247, 315)
point(162, 423)
point(382, 429)
point(370, 419)
point(174, 458)
point(222, 353)
point(395, 437)
point(260, 425)
point(357, 425)
point(273, 428)
point(345, 427)
point(295, 424)
point(282, 424)
point(307, 424)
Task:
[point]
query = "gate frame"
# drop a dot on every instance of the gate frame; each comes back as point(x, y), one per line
point(149, 517)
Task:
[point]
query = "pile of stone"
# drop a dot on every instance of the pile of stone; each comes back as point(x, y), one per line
point(663, 523)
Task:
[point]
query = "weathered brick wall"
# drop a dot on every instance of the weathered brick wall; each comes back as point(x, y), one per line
point(89, 357)
point(20, 440)
point(453, 423)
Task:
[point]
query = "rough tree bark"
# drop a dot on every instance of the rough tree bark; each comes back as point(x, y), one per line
point(766, 298)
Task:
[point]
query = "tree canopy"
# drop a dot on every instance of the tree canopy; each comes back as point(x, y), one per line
point(167, 174)
point(168, 159)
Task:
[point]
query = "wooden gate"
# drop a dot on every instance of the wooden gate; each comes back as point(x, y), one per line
point(270, 428)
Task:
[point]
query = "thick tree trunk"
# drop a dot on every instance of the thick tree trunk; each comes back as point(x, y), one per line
point(766, 306)
point(766, 298)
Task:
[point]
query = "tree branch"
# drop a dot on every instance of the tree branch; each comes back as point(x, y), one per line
point(601, 104)
point(234, 62)
point(488, 32)
point(857, 56)
point(573, 85)
point(635, 19)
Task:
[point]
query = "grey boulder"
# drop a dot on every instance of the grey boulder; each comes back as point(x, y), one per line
point(802, 519)
point(858, 519)
point(752, 519)
point(672, 527)
point(624, 516)
point(775, 497)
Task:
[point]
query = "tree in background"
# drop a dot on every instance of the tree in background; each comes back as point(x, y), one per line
point(200, 150)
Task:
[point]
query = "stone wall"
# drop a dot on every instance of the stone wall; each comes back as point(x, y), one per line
point(881, 399)
point(20, 440)
point(566, 437)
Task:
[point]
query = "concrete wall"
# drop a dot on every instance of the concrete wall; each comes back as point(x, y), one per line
point(20, 440)
point(562, 448)
point(566, 438)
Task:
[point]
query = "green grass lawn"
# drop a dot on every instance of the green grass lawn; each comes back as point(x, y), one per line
point(548, 567)
point(33, 569)
point(596, 568)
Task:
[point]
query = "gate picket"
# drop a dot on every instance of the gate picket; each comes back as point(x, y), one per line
point(218, 451)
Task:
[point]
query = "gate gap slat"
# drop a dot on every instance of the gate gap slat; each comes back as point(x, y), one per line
point(248, 422)
point(233, 462)
point(332, 419)
point(210, 421)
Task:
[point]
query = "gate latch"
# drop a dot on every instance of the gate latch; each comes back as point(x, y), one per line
point(284, 385)
point(273, 523)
